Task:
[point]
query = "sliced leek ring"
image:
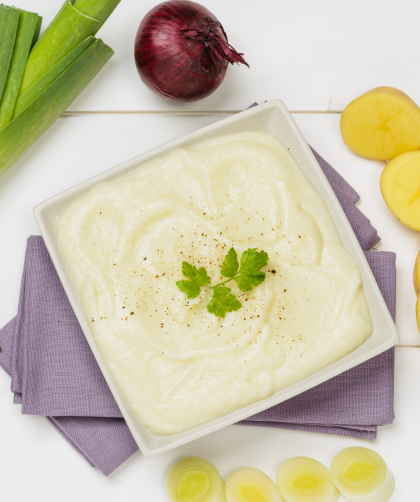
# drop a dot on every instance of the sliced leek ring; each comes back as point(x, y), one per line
point(193, 479)
point(303, 479)
point(361, 475)
point(251, 485)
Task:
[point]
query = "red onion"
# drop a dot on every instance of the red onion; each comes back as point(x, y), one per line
point(182, 51)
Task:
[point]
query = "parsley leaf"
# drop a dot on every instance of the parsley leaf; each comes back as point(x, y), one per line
point(249, 274)
point(197, 278)
point(246, 277)
point(252, 259)
point(231, 264)
point(223, 301)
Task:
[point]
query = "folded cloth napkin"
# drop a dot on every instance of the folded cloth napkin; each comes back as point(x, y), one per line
point(55, 374)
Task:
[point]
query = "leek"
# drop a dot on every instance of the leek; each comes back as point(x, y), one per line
point(37, 31)
point(70, 27)
point(25, 34)
point(362, 475)
point(43, 83)
point(36, 118)
point(249, 484)
point(99, 9)
point(193, 479)
point(303, 479)
point(9, 19)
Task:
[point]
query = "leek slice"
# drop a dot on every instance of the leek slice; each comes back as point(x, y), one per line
point(361, 475)
point(251, 485)
point(193, 479)
point(41, 84)
point(36, 118)
point(9, 19)
point(70, 27)
point(25, 34)
point(303, 479)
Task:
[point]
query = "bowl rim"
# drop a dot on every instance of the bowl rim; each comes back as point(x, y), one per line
point(47, 212)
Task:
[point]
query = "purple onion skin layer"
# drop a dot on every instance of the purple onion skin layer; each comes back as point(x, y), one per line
point(182, 66)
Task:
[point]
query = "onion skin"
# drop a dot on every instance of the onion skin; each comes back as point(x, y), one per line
point(181, 51)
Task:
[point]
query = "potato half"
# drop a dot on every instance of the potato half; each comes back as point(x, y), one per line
point(381, 124)
point(400, 187)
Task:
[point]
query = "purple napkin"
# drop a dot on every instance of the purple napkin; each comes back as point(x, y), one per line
point(55, 374)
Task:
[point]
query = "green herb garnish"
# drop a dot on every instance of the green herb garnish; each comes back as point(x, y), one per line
point(247, 276)
point(197, 278)
point(223, 301)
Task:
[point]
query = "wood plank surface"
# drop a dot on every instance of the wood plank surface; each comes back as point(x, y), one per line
point(316, 57)
point(312, 55)
point(37, 464)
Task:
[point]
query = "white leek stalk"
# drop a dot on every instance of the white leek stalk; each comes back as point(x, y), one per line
point(193, 479)
point(303, 479)
point(251, 485)
point(361, 475)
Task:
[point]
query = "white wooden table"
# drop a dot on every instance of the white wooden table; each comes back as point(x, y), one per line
point(316, 57)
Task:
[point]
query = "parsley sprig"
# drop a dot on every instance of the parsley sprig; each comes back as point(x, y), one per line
point(246, 275)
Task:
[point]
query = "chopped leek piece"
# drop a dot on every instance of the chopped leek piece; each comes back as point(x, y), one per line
point(361, 475)
point(25, 34)
point(41, 84)
point(303, 479)
point(70, 27)
point(9, 19)
point(193, 479)
point(249, 484)
point(37, 31)
point(36, 118)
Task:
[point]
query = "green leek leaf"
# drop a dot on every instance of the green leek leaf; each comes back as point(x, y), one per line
point(37, 31)
point(100, 10)
point(67, 30)
point(25, 34)
point(41, 84)
point(9, 19)
point(42, 112)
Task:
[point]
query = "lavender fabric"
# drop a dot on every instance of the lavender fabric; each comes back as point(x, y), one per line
point(355, 402)
point(55, 374)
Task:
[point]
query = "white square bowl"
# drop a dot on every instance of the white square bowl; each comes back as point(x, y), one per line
point(272, 117)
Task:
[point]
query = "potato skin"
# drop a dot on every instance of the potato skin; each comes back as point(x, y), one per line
point(392, 91)
point(399, 185)
point(416, 275)
point(418, 312)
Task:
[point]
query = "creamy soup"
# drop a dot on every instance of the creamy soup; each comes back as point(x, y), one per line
point(179, 366)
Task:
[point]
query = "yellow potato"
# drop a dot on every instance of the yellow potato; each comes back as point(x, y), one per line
point(381, 124)
point(418, 312)
point(416, 275)
point(400, 187)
